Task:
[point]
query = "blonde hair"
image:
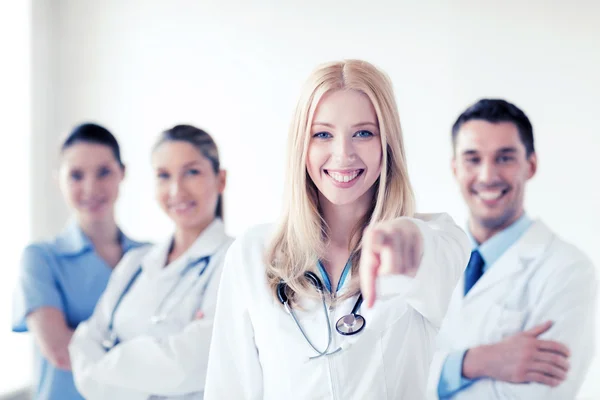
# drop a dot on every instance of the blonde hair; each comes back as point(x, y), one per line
point(301, 237)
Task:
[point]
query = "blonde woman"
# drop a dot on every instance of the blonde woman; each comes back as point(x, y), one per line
point(344, 298)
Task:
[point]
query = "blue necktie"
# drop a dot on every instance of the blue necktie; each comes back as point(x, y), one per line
point(474, 270)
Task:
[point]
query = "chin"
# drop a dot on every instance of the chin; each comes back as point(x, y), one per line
point(494, 222)
point(341, 200)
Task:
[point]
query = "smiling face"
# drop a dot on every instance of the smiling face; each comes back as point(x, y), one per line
point(344, 153)
point(491, 166)
point(187, 187)
point(89, 178)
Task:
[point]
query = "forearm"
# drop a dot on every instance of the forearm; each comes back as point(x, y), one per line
point(52, 335)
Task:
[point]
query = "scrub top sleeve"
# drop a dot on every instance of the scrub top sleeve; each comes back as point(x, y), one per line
point(36, 286)
point(446, 251)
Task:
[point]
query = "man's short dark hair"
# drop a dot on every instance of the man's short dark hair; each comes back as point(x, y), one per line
point(495, 111)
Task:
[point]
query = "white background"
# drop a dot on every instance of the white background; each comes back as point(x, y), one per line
point(235, 69)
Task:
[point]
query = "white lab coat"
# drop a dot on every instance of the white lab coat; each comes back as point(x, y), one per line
point(166, 360)
point(539, 278)
point(259, 353)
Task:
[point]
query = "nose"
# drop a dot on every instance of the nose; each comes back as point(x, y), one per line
point(174, 188)
point(343, 150)
point(488, 172)
point(90, 187)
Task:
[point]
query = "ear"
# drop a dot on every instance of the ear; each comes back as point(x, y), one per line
point(123, 172)
point(222, 180)
point(533, 163)
point(453, 166)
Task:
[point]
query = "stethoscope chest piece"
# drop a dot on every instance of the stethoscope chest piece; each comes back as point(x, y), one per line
point(350, 324)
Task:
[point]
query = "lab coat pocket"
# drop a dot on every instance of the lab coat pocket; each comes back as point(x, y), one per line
point(505, 321)
point(361, 366)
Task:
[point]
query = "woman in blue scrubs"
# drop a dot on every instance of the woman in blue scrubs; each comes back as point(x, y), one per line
point(62, 279)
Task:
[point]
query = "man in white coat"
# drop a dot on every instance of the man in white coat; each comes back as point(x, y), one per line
point(521, 322)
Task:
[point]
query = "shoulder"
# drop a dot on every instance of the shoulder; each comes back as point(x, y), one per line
point(39, 254)
point(131, 261)
point(253, 239)
point(246, 253)
point(569, 259)
point(563, 263)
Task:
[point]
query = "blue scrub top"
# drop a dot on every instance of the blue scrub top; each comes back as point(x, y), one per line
point(65, 273)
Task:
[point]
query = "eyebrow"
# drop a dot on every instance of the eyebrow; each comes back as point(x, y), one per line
point(503, 150)
point(189, 164)
point(353, 126)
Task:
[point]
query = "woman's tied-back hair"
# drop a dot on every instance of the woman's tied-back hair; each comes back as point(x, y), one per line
point(302, 234)
point(93, 133)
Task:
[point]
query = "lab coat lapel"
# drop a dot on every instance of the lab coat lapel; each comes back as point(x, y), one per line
point(528, 248)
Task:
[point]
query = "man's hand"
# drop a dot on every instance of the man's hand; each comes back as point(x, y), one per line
point(391, 247)
point(520, 358)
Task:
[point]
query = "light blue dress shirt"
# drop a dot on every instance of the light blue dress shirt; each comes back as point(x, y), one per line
point(65, 273)
point(451, 380)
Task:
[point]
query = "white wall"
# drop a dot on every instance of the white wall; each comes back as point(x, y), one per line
point(234, 69)
point(15, 22)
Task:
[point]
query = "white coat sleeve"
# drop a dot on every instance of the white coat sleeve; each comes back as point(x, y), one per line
point(85, 349)
point(569, 300)
point(171, 366)
point(234, 369)
point(446, 251)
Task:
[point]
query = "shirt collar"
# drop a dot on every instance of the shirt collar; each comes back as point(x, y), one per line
point(207, 244)
point(73, 241)
point(493, 248)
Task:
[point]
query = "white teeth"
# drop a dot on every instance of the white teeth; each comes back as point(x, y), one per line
point(92, 203)
point(181, 206)
point(343, 178)
point(490, 195)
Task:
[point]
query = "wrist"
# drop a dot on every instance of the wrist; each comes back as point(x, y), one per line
point(474, 363)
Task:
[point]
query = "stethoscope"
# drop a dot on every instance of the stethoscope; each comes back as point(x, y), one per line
point(348, 325)
point(160, 315)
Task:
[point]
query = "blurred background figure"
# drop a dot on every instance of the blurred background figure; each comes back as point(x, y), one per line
point(62, 279)
point(521, 323)
point(150, 334)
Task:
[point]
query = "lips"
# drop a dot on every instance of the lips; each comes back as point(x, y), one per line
point(346, 176)
point(92, 204)
point(491, 196)
point(182, 207)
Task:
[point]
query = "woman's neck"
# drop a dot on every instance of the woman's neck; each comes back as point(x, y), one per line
point(101, 233)
point(342, 222)
point(184, 238)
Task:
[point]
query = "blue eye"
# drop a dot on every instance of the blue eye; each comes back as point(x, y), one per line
point(322, 135)
point(363, 134)
point(192, 172)
point(162, 175)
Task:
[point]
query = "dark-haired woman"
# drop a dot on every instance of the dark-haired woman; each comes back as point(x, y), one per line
point(62, 279)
